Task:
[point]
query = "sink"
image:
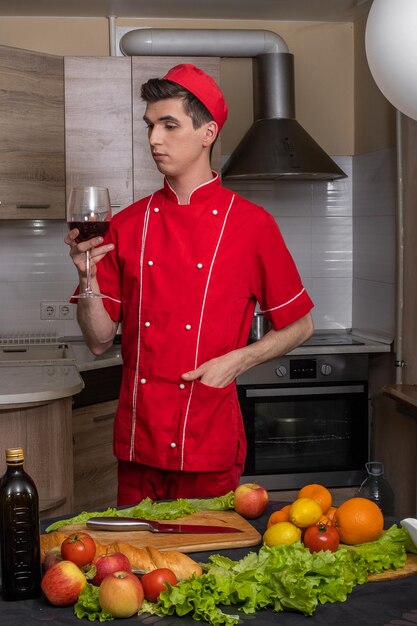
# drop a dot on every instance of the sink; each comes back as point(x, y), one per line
point(38, 353)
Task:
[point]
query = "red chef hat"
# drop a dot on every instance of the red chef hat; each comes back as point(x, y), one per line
point(203, 87)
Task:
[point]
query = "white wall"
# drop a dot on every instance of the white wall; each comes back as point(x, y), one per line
point(374, 202)
point(315, 219)
point(341, 235)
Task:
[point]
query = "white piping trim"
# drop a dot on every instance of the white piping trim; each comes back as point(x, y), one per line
point(208, 182)
point(285, 303)
point(200, 325)
point(135, 382)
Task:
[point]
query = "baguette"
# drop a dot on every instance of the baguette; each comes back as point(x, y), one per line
point(144, 559)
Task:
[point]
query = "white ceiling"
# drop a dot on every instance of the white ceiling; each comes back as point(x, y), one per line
point(280, 10)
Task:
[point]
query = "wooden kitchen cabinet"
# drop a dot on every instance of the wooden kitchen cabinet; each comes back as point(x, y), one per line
point(106, 141)
point(95, 467)
point(32, 167)
point(98, 125)
point(43, 430)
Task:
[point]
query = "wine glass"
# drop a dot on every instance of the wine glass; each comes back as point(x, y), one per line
point(89, 210)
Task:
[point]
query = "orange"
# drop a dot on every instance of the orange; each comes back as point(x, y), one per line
point(305, 512)
point(281, 533)
point(318, 493)
point(330, 513)
point(324, 521)
point(279, 516)
point(358, 520)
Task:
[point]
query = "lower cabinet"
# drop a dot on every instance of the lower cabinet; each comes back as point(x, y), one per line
point(43, 430)
point(95, 467)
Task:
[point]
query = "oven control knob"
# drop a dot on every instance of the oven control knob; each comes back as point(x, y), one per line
point(281, 371)
point(326, 369)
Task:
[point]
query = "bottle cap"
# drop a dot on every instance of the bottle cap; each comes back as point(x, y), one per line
point(14, 455)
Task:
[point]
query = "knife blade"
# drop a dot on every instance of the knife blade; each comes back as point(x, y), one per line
point(132, 523)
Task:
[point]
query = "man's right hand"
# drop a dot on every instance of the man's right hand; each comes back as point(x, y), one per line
point(78, 252)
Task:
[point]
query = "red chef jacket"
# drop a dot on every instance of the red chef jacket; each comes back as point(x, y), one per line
point(184, 281)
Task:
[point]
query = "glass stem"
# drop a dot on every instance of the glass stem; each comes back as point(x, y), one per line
point(88, 264)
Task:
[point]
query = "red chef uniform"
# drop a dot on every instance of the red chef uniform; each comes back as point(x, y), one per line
point(187, 278)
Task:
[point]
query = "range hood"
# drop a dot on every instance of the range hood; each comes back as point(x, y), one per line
point(276, 146)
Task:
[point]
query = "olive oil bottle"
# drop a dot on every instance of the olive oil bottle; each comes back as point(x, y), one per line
point(19, 531)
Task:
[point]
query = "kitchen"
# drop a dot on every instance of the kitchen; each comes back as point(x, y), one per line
point(352, 219)
point(342, 233)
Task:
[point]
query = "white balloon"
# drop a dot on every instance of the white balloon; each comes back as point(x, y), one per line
point(391, 50)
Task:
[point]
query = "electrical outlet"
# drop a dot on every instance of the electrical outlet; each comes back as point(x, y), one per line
point(66, 311)
point(49, 311)
point(57, 311)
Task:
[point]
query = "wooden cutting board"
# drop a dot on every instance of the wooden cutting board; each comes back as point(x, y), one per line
point(183, 542)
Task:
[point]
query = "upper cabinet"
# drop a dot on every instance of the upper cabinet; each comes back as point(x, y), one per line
point(94, 135)
point(32, 163)
point(98, 125)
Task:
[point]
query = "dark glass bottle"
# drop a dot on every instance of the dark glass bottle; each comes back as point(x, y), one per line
point(19, 531)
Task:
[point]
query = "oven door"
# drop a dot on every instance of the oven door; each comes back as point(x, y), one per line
point(304, 434)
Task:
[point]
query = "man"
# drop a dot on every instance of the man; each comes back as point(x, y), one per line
point(184, 269)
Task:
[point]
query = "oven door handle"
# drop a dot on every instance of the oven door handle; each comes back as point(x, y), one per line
point(303, 391)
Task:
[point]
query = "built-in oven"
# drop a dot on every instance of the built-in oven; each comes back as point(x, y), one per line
point(306, 420)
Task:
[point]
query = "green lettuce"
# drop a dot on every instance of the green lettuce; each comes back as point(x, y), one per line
point(148, 509)
point(281, 578)
point(88, 605)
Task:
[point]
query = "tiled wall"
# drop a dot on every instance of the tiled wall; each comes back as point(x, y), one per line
point(315, 219)
point(319, 222)
point(374, 202)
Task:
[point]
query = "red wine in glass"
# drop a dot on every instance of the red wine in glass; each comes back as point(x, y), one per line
point(88, 230)
point(89, 210)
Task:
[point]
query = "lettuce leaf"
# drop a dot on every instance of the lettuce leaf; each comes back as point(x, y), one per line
point(148, 509)
point(88, 605)
point(280, 578)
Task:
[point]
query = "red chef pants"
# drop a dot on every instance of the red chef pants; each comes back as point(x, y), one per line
point(136, 482)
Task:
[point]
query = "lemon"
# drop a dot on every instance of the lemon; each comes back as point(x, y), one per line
point(305, 512)
point(281, 533)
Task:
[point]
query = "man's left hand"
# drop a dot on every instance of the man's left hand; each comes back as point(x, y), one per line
point(218, 372)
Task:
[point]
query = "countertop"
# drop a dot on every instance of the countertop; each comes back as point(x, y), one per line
point(23, 384)
point(404, 394)
point(33, 382)
point(371, 604)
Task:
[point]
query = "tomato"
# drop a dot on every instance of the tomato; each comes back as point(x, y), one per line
point(321, 537)
point(153, 582)
point(80, 548)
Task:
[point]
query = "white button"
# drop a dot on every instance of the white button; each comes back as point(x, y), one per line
point(199, 266)
point(214, 211)
point(182, 386)
point(147, 324)
point(150, 262)
point(143, 381)
point(173, 445)
point(188, 327)
point(156, 210)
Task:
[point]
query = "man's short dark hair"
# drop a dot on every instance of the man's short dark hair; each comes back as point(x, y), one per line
point(157, 89)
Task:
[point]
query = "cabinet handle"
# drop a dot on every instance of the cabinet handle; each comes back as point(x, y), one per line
point(115, 206)
point(39, 205)
point(102, 418)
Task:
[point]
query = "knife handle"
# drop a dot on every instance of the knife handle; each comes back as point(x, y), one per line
point(118, 524)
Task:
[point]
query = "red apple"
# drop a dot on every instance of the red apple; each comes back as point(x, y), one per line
point(52, 557)
point(251, 500)
point(121, 594)
point(62, 583)
point(109, 563)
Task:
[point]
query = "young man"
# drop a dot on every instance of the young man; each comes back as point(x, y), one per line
point(184, 268)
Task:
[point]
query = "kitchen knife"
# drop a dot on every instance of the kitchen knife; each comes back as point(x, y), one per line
point(131, 523)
